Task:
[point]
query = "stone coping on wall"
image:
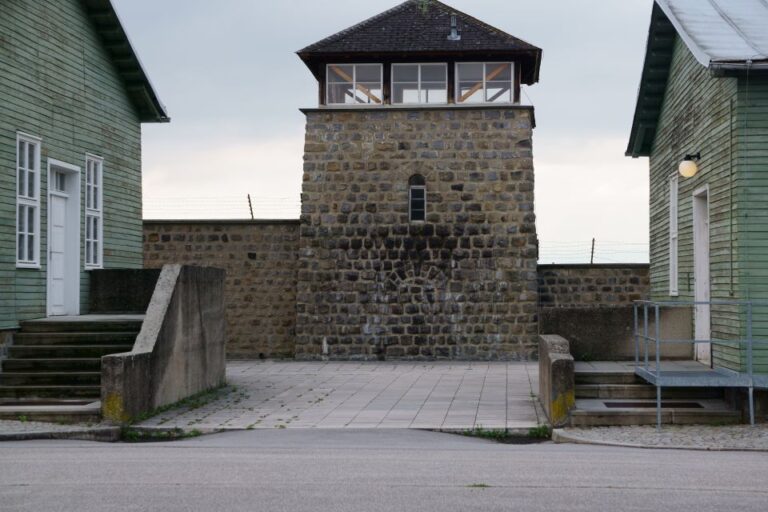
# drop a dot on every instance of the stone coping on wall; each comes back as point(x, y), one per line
point(230, 222)
point(421, 108)
point(545, 266)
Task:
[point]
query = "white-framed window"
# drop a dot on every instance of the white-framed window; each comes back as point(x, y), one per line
point(354, 84)
point(673, 237)
point(94, 212)
point(485, 82)
point(419, 84)
point(27, 201)
point(417, 198)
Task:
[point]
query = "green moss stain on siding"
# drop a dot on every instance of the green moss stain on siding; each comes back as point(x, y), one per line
point(58, 82)
point(752, 158)
point(697, 116)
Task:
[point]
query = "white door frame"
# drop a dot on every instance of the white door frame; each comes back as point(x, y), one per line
point(72, 259)
point(702, 273)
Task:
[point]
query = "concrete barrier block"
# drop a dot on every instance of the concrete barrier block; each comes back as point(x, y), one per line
point(179, 352)
point(557, 385)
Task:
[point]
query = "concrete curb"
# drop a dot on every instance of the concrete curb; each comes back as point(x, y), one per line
point(560, 436)
point(204, 431)
point(100, 434)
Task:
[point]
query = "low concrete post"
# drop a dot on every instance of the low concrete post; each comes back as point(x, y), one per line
point(557, 385)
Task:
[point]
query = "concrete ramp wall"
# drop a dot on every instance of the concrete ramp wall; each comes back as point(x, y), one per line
point(180, 350)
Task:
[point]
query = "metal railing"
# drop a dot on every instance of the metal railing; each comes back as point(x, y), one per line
point(716, 377)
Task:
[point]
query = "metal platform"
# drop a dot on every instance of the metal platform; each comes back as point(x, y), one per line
point(707, 377)
point(692, 374)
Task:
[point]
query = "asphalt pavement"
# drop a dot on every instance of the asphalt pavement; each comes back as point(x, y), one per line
point(371, 470)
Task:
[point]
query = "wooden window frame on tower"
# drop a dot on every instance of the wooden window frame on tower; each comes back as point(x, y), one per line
point(376, 101)
point(420, 82)
point(488, 77)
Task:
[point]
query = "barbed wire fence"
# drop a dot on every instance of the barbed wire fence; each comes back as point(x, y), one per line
point(241, 207)
point(593, 251)
point(248, 206)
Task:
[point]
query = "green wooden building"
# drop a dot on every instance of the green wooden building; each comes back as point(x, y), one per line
point(703, 100)
point(73, 95)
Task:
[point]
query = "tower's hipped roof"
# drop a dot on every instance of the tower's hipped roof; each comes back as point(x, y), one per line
point(420, 28)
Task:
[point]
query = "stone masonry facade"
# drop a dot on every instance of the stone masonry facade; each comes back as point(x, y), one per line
point(260, 259)
point(592, 286)
point(262, 263)
point(463, 284)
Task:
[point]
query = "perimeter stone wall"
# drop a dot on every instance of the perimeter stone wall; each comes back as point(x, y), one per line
point(463, 284)
point(580, 286)
point(260, 259)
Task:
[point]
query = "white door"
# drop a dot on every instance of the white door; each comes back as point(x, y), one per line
point(57, 255)
point(701, 274)
point(63, 240)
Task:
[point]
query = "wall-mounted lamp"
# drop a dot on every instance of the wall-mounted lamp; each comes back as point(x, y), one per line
point(689, 167)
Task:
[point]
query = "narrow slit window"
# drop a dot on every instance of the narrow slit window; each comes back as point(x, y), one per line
point(485, 82)
point(27, 202)
point(673, 238)
point(94, 213)
point(417, 197)
point(355, 84)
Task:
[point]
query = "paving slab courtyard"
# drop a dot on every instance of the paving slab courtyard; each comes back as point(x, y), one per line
point(333, 395)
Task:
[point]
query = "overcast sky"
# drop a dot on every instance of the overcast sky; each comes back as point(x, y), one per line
point(228, 73)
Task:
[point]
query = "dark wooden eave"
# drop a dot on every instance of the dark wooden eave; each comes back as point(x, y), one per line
point(135, 80)
point(653, 85)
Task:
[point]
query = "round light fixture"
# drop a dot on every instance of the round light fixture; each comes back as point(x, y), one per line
point(688, 167)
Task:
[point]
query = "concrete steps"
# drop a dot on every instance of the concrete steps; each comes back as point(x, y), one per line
point(15, 393)
point(60, 359)
point(91, 364)
point(50, 378)
point(592, 413)
point(611, 377)
point(643, 392)
point(58, 411)
point(81, 326)
point(611, 394)
point(66, 351)
point(27, 339)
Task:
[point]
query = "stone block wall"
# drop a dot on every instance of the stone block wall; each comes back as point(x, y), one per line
point(463, 284)
point(585, 286)
point(260, 259)
point(591, 307)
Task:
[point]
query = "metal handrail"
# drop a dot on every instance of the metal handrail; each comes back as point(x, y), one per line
point(647, 339)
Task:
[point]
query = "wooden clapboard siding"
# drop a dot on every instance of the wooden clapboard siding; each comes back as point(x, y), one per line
point(698, 114)
point(752, 158)
point(59, 83)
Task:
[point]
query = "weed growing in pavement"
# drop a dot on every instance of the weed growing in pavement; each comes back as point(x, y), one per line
point(541, 432)
point(538, 434)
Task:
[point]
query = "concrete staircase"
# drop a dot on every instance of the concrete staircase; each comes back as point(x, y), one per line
point(52, 371)
point(611, 394)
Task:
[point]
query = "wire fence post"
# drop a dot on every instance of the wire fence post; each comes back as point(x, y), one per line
point(250, 206)
point(645, 334)
point(750, 367)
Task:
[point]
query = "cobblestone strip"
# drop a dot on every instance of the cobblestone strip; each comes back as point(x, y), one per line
point(694, 437)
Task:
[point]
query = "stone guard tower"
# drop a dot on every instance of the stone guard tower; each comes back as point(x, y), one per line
point(418, 235)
